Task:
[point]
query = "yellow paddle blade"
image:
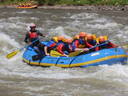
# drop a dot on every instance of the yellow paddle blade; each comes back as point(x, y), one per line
point(10, 55)
point(74, 53)
point(55, 53)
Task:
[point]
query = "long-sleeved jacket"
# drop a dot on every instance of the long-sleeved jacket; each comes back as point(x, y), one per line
point(30, 38)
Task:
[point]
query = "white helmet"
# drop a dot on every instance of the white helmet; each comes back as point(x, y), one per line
point(32, 26)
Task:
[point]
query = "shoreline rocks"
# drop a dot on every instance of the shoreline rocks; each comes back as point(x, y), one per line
point(89, 7)
point(85, 7)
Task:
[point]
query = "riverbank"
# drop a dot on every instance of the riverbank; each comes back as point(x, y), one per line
point(85, 7)
point(89, 7)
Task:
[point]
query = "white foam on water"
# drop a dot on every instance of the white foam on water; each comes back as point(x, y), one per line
point(84, 16)
point(103, 26)
point(6, 42)
point(99, 20)
point(34, 18)
point(12, 24)
point(114, 73)
point(124, 33)
point(24, 12)
point(59, 31)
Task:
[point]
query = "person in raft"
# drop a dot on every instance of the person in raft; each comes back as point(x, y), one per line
point(76, 44)
point(91, 42)
point(32, 38)
point(64, 46)
point(51, 45)
point(103, 40)
point(61, 46)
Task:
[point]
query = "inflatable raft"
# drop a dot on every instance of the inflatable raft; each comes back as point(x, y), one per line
point(28, 7)
point(105, 56)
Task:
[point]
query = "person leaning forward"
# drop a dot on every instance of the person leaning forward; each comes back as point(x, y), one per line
point(32, 38)
point(33, 35)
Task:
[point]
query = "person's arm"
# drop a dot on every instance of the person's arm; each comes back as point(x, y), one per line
point(88, 45)
point(26, 38)
point(46, 50)
point(112, 45)
point(39, 33)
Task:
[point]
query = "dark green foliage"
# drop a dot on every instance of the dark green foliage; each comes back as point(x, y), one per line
point(48, 2)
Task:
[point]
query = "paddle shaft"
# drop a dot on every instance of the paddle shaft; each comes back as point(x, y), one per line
point(97, 46)
point(10, 55)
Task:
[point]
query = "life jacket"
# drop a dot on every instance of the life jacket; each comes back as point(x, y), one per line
point(92, 43)
point(64, 48)
point(81, 43)
point(75, 44)
point(68, 47)
point(33, 35)
point(51, 44)
point(60, 47)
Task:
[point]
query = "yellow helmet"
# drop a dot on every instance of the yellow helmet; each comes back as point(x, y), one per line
point(55, 39)
point(64, 39)
point(106, 37)
point(102, 38)
point(94, 36)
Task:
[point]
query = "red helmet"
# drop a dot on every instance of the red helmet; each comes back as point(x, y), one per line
point(32, 26)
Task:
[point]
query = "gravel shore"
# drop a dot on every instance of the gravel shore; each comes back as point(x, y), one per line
point(85, 7)
point(89, 7)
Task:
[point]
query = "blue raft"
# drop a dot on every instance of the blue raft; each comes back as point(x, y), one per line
point(105, 56)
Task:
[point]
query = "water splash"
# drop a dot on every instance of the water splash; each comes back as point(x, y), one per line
point(7, 44)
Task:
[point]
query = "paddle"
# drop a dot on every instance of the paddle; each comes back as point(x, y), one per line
point(72, 54)
point(10, 55)
point(55, 53)
point(79, 52)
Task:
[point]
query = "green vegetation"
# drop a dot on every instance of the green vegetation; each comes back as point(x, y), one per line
point(68, 2)
point(9, 2)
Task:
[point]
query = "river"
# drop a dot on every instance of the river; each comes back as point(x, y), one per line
point(20, 79)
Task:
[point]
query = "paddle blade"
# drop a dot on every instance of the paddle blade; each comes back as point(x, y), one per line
point(74, 53)
point(55, 53)
point(10, 55)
